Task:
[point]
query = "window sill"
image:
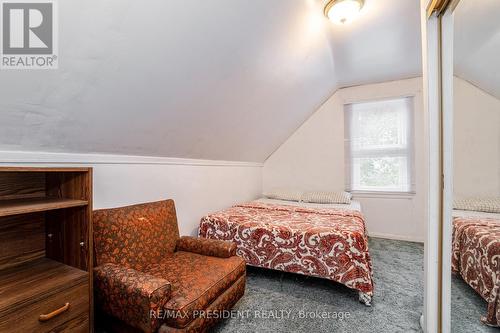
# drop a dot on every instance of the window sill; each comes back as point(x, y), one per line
point(383, 195)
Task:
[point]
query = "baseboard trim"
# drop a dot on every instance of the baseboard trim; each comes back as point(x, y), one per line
point(25, 157)
point(396, 237)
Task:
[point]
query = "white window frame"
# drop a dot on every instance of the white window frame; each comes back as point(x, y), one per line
point(408, 151)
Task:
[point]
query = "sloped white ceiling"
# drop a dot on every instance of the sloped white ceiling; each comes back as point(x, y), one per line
point(384, 44)
point(477, 43)
point(210, 79)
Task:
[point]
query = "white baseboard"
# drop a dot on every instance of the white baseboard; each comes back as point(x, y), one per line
point(396, 237)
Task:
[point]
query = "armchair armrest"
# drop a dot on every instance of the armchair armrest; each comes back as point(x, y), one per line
point(136, 298)
point(207, 247)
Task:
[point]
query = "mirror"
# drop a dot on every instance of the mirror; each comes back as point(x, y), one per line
point(475, 280)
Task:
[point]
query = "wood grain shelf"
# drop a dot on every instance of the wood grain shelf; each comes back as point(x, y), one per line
point(33, 205)
point(31, 169)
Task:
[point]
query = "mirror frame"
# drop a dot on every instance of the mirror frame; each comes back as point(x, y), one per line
point(437, 42)
point(447, 106)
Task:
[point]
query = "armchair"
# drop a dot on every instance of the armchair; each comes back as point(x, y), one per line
point(151, 280)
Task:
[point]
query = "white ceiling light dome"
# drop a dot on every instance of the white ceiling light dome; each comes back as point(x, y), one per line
point(343, 11)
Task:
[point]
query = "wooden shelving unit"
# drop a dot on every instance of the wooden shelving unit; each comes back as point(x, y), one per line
point(45, 249)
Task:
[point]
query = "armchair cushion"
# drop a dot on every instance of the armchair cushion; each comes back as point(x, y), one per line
point(131, 296)
point(196, 280)
point(207, 247)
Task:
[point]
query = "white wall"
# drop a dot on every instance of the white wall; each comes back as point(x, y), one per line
point(313, 158)
point(197, 186)
point(476, 141)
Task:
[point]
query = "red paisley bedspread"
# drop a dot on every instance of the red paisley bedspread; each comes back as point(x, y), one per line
point(326, 243)
point(476, 257)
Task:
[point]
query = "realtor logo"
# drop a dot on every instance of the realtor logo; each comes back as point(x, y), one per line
point(28, 34)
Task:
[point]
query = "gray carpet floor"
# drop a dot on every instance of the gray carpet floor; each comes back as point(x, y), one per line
point(398, 273)
point(467, 307)
point(397, 305)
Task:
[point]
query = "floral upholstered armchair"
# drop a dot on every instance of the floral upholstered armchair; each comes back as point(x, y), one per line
point(152, 280)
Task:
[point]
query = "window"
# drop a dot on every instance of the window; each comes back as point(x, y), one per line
point(379, 146)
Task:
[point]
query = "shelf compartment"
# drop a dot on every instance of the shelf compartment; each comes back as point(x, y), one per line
point(33, 205)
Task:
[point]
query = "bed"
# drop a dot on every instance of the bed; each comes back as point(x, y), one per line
point(322, 240)
point(476, 257)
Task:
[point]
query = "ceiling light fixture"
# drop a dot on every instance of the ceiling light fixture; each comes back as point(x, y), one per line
point(343, 11)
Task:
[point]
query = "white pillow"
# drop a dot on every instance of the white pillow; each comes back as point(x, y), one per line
point(327, 197)
point(284, 194)
point(488, 205)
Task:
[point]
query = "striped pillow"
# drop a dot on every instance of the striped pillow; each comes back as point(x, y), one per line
point(284, 194)
point(327, 197)
point(487, 205)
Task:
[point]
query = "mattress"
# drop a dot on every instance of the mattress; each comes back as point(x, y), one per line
point(354, 205)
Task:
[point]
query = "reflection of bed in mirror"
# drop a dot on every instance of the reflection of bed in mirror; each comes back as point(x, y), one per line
point(475, 228)
point(476, 257)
